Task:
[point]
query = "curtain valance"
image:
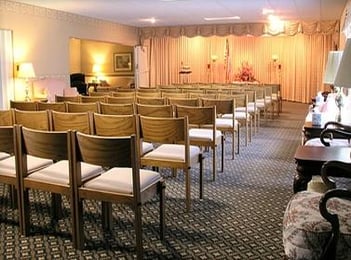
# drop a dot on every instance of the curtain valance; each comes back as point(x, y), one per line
point(254, 29)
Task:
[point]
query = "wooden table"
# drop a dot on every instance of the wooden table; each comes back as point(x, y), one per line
point(309, 161)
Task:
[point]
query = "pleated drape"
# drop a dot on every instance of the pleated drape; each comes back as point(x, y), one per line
point(299, 68)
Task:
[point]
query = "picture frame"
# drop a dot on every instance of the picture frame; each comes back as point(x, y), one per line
point(123, 62)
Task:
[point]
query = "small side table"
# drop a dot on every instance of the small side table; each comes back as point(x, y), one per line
point(310, 159)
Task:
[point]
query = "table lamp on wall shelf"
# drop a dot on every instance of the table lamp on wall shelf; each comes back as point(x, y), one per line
point(96, 72)
point(26, 72)
point(343, 75)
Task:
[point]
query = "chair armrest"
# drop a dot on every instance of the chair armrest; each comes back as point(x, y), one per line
point(330, 247)
point(335, 169)
point(337, 125)
point(330, 132)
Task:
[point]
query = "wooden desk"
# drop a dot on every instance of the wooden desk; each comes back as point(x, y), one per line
point(309, 161)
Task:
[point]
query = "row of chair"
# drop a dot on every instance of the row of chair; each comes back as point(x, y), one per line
point(50, 141)
point(227, 119)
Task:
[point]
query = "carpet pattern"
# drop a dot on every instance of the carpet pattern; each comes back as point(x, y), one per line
point(240, 216)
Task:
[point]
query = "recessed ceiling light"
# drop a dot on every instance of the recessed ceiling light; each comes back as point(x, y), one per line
point(266, 11)
point(222, 18)
point(149, 20)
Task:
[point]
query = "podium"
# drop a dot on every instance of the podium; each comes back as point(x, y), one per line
point(184, 74)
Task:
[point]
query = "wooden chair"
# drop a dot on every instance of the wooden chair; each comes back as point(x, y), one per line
point(63, 121)
point(148, 94)
point(119, 125)
point(24, 105)
point(56, 106)
point(191, 102)
point(73, 107)
point(117, 109)
point(252, 108)
point(151, 100)
point(203, 131)
point(243, 117)
point(120, 100)
point(39, 120)
point(56, 178)
point(59, 98)
point(6, 117)
point(174, 150)
point(129, 94)
point(155, 110)
point(92, 99)
point(225, 125)
point(123, 182)
point(174, 95)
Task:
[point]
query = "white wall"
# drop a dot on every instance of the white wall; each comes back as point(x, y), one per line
point(42, 35)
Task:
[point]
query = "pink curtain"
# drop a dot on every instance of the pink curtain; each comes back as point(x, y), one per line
point(299, 67)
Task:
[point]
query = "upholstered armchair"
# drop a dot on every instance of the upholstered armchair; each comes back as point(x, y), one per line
point(317, 225)
point(78, 81)
point(339, 130)
point(333, 134)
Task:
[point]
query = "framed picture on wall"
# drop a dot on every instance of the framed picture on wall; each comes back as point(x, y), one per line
point(123, 62)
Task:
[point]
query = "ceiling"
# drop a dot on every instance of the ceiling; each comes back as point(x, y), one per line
point(191, 12)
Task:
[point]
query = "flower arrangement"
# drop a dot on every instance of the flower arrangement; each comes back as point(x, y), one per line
point(245, 73)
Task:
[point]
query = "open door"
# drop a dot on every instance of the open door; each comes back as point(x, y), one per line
point(141, 67)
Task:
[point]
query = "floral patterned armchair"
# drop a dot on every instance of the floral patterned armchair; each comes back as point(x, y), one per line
point(318, 225)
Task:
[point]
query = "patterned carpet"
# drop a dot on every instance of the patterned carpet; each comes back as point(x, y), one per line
point(240, 216)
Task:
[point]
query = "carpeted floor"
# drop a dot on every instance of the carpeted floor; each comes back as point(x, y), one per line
point(240, 216)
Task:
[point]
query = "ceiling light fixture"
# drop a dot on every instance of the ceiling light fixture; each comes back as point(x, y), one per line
point(222, 18)
point(149, 20)
point(266, 11)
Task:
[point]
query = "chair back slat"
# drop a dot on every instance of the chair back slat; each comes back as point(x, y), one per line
point(6, 118)
point(155, 110)
point(114, 125)
point(117, 109)
point(39, 120)
point(63, 121)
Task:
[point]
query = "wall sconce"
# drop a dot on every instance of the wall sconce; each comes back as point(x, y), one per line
point(214, 58)
point(275, 57)
point(26, 72)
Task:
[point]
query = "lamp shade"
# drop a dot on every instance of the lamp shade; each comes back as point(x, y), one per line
point(334, 58)
point(343, 75)
point(26, 70)
point(96, 68)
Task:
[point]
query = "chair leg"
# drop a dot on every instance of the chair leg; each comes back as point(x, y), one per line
point(106, 214)
point(162, 210)
point(201, 177)
point(187, 189)
point(138, 231)
point(13, 197)
point(25, 212)
point(56, 206)
point(222, 160)
point(79, 225)
point(214, 164)
point(233, 144)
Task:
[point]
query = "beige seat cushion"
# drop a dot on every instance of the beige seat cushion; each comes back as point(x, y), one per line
point(146, 147)
point(58, 172)
point(4, 155)
point(8, 166)
point(120, 180)
point(226, 123)
point(174, 152)
point(202, 134)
